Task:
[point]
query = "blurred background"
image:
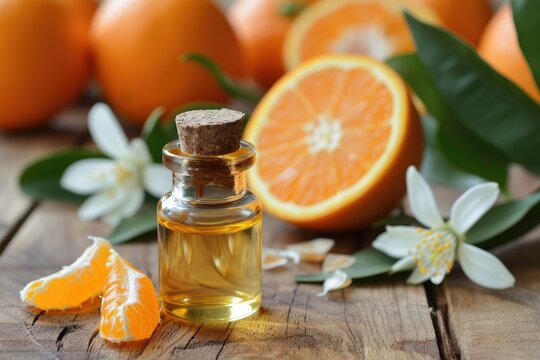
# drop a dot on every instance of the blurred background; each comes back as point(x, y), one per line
point(57, 53)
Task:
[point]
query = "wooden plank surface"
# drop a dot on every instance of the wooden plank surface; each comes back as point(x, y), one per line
point(388, 320)
point(486, 324)
point(504, 324)
point(17, 149)
point(384, 319)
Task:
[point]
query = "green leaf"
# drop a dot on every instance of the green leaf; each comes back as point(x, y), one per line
point(227, 83)
point(400, 219)
point(155, 135)
point(369, 262)
point(143, 223)
point(527, 20)
point(291, 8)
point(457, 145)
point(436, 168)
point(486, 103)
point(41, 179)
point(502, 218)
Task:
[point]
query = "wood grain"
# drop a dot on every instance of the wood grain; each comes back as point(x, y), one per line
point(504, 324)
point(388, 320)
point(17, 150)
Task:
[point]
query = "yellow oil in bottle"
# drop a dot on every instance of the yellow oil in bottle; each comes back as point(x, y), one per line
point(210, 273)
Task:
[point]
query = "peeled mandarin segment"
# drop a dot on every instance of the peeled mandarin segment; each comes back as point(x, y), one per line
point(375, 28)
point(74, 284)
point(130, 307)
point(334, 139)
point(313, 250)
point(334, 262)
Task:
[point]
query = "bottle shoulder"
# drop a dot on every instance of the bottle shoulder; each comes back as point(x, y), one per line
point(173, 209)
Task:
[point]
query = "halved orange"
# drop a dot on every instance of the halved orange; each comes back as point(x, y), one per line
point(75, 284)
point(334, 138)
point(130, 307)
point(375, 28)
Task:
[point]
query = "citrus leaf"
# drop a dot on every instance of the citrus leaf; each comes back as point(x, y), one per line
point(485, 102)
point(227, 83)
point(142, 223)
point(527, 20)
point(155, 135)
point(369, 262)
point(457, 144)
point(400, 219)
point(291, 8)
point(41, 179)
point(502, 218)
point(437, 169)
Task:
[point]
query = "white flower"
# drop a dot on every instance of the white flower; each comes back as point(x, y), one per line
point(118, 185)
point(431, 252)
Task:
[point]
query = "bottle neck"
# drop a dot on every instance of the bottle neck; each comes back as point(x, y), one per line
point(214, 188)
point(209, 179)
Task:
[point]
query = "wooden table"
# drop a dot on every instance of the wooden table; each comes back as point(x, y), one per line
point(371, 319)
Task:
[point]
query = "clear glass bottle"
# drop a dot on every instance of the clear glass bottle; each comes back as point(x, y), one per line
point(209, 230)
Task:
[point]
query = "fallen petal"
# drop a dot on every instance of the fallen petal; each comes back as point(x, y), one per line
point(334, 262)
point(288, 254)
point(272, 261)
point(337, 280)
point(313, 250)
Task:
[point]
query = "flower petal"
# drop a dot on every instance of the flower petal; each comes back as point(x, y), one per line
point(334, 262)
point(397, 241)
point(106, 131)
point(437, 279)
point(102, 203)
point(157, 180)
point(128, 208)
point(313, 250)
point(88, 176)
point(421, 200)
point(472, 205)
point(417, 277)
point(407, 263)
point(337, 280)
point(138, 151)
point(288, 254)
point(270, 261)
point(483, 268)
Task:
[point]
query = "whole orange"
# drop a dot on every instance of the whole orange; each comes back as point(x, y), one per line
point(44, 61)
point(138, 45)
point(84, 11)
point(261, 26)
point(466, 18)
point(499, 46)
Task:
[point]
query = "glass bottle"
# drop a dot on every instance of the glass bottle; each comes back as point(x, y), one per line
point(209, 231)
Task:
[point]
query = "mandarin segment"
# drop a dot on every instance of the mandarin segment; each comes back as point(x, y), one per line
point(130, 308)
point(341, 163)
point(75, 284)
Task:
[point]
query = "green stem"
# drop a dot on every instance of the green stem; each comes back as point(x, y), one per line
point(227, 83)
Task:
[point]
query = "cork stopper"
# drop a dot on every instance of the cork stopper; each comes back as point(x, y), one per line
point(210, 132)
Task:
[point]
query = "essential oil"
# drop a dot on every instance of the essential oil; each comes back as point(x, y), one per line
point(209, 230)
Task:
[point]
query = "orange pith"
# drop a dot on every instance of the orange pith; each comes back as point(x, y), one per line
point(130, 307)
point(366, 27)
point(74, 284)
point(334, 138)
